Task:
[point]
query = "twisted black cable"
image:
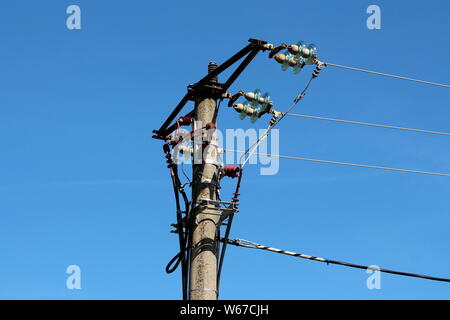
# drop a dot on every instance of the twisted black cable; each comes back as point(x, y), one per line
point(253, 245)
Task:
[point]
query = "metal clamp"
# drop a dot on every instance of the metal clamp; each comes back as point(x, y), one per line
point(221, 209)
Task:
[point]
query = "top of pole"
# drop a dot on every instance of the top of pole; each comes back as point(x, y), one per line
point(211, 67)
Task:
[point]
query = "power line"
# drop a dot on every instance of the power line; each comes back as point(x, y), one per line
point(250, 151)
point(368, 124)
point(346, 163)
point(253, 245)
point(275, 120)
point(387, 75)
point(252, 148)
point(199, 263)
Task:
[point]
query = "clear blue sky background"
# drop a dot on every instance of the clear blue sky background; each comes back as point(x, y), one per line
point(82, 182)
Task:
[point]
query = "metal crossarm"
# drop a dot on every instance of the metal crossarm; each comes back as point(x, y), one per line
point(250, 51)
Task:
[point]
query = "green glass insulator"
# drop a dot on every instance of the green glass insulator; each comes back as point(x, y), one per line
point(312, 54)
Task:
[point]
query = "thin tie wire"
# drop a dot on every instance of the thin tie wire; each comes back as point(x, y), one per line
point(388, 75)
point(346, 163)
point(254, 245)
point(368, 124)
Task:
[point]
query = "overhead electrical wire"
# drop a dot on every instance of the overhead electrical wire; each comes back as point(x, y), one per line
point(246, 155)
point(368, 124)
point(253, 245)
point(183, 257)
point(297, 99)
point(345, 163)
point(250, 151)
point(387, 75)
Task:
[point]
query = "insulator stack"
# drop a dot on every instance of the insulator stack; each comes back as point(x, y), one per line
point(297, 56)
point(256, 104)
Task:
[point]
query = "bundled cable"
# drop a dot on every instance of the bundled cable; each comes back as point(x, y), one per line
point(181, 256)
point(253, 245)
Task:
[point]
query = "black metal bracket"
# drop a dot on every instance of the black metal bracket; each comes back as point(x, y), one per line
point(207, 83)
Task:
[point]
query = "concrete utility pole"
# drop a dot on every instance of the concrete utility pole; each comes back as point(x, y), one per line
point(203, 269)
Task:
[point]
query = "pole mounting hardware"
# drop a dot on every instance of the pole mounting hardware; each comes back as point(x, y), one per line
point(221, 209)
point(209, 84)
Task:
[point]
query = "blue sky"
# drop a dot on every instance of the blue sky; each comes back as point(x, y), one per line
point(82, 182)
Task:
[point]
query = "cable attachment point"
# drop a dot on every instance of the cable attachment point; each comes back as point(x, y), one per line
point(176, 227)
point(234, 97)
point(276, 115)
point(230, 171)
point(210, 126)
point(277, 49)
point(318, 68)
point(168, 155)
point(299, 97)
point(185, 120)
point(182, 121)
